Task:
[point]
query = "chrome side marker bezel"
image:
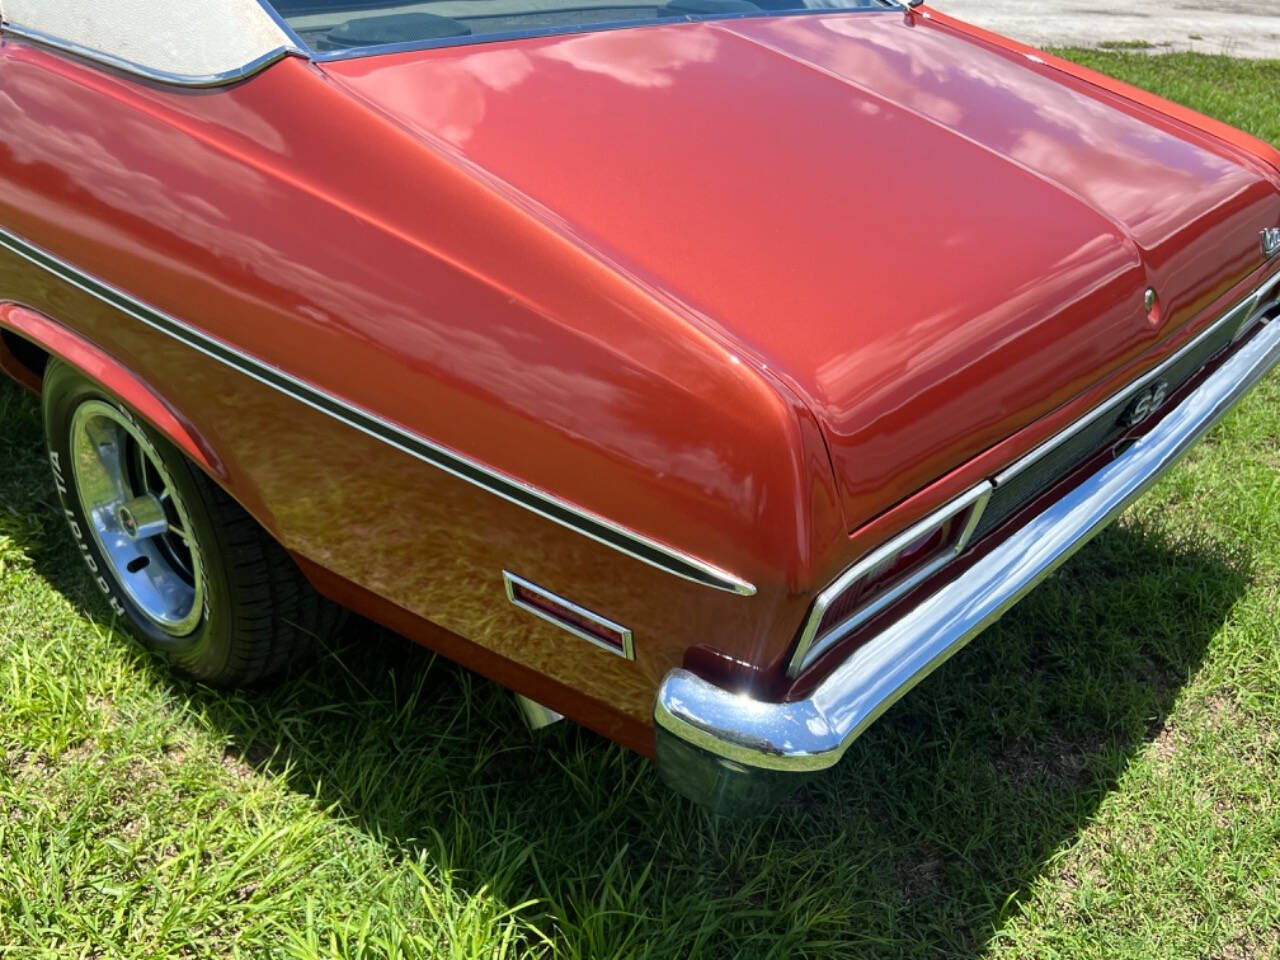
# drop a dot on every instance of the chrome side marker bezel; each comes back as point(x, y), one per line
point(625, 646)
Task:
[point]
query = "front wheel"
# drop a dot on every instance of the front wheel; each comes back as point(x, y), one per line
point(181, 563)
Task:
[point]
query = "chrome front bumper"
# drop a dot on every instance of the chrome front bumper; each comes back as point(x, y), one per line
point(729, 750)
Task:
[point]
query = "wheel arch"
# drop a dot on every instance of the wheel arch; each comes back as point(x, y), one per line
point(28, 331)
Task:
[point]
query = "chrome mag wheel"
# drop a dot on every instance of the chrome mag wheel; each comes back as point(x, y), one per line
point(180, 563)
point(137, 519)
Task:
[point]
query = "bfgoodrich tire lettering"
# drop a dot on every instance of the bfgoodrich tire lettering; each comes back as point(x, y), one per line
point(195, 577)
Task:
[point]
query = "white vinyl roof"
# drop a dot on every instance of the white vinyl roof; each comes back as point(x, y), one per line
point(185, 39)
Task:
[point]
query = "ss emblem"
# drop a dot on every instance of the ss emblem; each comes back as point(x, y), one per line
point(1270, 241)
point(1145, 404)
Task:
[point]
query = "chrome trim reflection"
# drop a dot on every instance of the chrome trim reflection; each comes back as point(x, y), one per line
point(1241, 313)
point(1268, 295)
point(536, 716)
point(628, 651)
point(243, 72)
point(1270, 240)
point(531, 498)
point(809, 647)
point(533, 33)
point(813, 733)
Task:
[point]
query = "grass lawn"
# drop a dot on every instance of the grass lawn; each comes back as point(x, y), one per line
point(1098, 775)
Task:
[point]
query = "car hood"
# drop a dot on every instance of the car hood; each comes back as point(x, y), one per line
point(930, 239)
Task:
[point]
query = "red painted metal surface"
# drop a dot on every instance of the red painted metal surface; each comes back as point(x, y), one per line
point(59, 341)
point(1247, 143)
point(932, 242)
point(285, 218)
point(741, 287)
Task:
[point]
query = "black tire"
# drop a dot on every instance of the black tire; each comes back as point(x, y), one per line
point(258, 613)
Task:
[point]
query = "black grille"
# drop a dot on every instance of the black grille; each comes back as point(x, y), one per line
point(1010, 497)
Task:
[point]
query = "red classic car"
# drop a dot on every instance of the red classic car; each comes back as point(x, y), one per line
point(706, 372)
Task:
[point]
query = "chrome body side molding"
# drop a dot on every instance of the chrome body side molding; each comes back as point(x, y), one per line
point(734, 733)
point(254, 66)
point(525, 495)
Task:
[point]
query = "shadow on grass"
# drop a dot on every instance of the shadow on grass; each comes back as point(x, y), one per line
point(921, 842)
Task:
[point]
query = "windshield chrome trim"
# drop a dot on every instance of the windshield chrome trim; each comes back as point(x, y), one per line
point(284, 27)
point(243, 72)
point(411, 46)
point(534, 499)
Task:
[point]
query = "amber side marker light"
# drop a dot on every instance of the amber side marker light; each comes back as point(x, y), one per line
point(569, 616)
point(886, 574)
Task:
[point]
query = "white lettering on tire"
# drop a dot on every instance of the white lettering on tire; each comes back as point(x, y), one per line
point(85, 552)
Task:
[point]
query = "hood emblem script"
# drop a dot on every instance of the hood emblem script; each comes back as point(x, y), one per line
point(1270, 241)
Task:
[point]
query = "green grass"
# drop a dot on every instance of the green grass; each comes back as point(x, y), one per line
point(1126, 45)
point(1244, 93)
point(1097, 776)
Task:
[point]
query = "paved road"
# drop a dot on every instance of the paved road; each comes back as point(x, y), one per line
point(1241, 28)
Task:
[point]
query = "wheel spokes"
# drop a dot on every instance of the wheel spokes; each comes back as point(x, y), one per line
point(137, 517)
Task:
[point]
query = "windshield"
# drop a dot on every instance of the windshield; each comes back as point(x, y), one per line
point(336, 26)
